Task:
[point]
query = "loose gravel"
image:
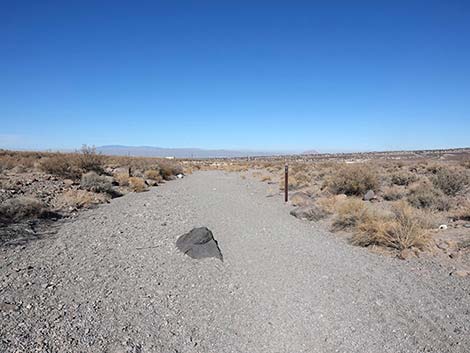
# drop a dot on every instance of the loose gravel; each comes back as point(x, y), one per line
point(112, 280)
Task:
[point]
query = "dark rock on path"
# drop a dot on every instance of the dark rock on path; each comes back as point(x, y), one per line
point(199, 243)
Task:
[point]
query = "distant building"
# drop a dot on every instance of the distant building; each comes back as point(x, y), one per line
point(172, 157)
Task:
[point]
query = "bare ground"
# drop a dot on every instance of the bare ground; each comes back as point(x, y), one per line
point(112, 281)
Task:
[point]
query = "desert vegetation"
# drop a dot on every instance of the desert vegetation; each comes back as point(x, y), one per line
point(395, 201)
point(36, 185)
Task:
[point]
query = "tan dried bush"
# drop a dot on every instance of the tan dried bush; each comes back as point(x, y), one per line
point(423, 195)
point(122, 179)
point(153, 174)
point(60, 165)
point(463, 212)
point(403, 228)
point(79, 199)
point(168, 169)
point(328, 203)
point(137, 184)
point(88, 160)
point(393, 193)
point(16, 209)
point(353, 180)
point(266, 178)
point(349, 213)
point(403, 178)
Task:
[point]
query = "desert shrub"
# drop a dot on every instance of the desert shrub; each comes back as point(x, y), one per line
point(463, 212)
point(7, 162)
point(122, 179)
point(19, 208)
point(349, 213)
point(403, 178)
point(393, 193)
point(88, 160)
point(450, 181)
point(465, 163)
point(425, 196)
point(60, 165)
point(329, 203)
point(153, 174)
point(168, 170)
point(79, 199)
point(137, 184)
point(295, 181)
point(96, 183)
point(403, 228)
point(353, 180)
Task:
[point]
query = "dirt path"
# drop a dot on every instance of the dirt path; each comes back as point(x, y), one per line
point(112, 281)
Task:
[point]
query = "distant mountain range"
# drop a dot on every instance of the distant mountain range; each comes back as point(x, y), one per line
point(149, 151)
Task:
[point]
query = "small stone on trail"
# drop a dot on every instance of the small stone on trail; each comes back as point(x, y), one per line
point(405, 254)
point(442, 227)
point(461, 273)
point(199, 243)
point(369, 195)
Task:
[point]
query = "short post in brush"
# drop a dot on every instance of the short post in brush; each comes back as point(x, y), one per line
point(286, 183)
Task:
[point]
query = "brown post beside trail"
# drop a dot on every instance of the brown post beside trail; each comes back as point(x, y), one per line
point(286, 183)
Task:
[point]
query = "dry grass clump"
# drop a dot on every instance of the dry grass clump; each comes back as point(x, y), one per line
point(122, 179)
point(403, 228)
point(425, 196)
point(349, 213)
point(153, 174)
point(137, 184)
point(168, 170)
point(451, 181)
point(393, 193)
point(463, 212)
point(79, 199)
point(353, 180)
point(16, 209)
point(96, 183)
point(266, 178)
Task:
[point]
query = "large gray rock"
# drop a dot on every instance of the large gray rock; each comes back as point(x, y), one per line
point(309, 213)
point(199, 243)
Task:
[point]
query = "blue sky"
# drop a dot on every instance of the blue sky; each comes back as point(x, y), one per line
point(266, 75)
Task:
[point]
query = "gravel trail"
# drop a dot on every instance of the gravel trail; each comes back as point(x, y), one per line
point(112, 281)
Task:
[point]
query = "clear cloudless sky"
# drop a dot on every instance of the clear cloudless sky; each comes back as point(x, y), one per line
point(260, 75)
